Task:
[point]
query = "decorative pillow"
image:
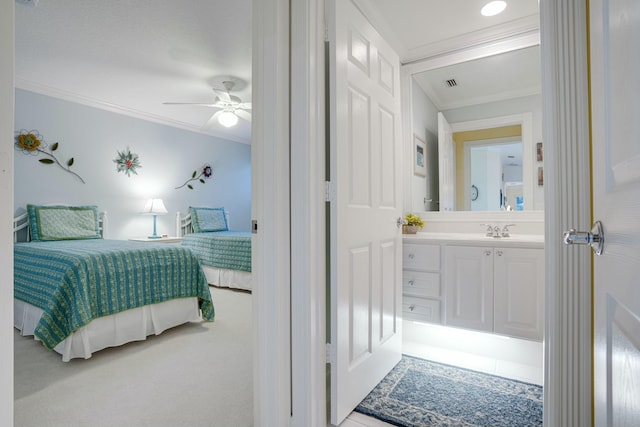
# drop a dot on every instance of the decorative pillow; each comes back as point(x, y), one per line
point(63, 222)
point(208, 219)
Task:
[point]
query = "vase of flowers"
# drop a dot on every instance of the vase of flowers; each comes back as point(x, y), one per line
point(413, 224)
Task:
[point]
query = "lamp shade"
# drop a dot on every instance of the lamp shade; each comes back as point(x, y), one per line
point(227, 119)
point(154, 207)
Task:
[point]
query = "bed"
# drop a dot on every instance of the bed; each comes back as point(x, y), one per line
point(78, 292)
point(225, 254)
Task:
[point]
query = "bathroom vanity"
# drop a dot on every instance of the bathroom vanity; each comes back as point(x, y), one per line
point(477, 282)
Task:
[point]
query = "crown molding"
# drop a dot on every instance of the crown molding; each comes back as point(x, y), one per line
point(503, 96)
point(516, 28)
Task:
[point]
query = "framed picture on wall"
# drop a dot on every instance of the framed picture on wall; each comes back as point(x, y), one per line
point(419, 156)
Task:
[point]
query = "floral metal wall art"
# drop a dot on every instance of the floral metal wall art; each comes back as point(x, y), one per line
point(205, 173)
point(31, 142)
point(127, 162)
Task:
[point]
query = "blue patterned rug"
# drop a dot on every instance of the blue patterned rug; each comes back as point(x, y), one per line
point(420, 393)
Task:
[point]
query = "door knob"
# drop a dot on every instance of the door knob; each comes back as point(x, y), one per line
point(593, 238)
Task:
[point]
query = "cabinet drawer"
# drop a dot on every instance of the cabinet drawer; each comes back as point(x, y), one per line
point(421, 309)
point(423, 257)
point(421, 284)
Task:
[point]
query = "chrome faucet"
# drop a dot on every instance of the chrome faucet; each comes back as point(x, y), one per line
point(496, 231)
point(505, 230)
point(492, 231)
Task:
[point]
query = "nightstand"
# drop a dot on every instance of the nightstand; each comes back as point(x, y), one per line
point(159, 240)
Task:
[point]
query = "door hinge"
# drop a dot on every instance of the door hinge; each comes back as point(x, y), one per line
point(329, 353)
point(329, 191)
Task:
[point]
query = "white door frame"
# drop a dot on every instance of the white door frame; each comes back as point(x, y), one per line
point(568, 350)
point(288, 160)
point(7, 35)
point(308, 219)
point(568, 347)
point(525, 120)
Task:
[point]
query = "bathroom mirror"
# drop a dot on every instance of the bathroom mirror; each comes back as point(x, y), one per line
point(482, 103)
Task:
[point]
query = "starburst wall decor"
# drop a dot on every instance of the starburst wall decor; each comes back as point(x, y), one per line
point(32, 143)
point(127, 162)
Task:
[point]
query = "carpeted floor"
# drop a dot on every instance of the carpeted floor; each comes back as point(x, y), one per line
point(420, 393)
point(194, 375)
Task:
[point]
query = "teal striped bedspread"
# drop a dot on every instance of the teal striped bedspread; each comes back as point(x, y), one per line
point(76, 281)
point(221, 249)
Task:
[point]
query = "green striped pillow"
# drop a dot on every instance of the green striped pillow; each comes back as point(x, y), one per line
point(208, 219)
point(63, 222)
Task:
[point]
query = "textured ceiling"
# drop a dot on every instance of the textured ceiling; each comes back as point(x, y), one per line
point(131, 56)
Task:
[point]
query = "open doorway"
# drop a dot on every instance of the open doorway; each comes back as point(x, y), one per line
point(441, 305)
point(87, 108)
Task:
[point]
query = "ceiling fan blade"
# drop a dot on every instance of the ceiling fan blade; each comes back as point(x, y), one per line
point(224, 96)
point(244, 105)
point(213, 119)
point(243, 115)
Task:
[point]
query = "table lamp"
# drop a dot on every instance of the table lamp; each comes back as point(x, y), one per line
point(154, 207)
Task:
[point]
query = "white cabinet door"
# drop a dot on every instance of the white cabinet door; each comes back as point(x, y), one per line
point(518, 287)
point(365, 241)
point(468, 276)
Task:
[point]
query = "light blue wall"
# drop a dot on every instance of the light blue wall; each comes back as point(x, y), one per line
point(168, 157)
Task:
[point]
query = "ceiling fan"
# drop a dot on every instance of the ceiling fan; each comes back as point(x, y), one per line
point(230, 107)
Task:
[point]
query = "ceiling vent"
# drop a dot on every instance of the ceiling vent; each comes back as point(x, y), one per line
point(451, 82)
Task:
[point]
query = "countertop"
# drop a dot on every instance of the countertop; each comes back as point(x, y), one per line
point(476, 239)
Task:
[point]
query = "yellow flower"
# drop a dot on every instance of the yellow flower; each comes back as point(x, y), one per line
point(414, 220)
point(28, 142)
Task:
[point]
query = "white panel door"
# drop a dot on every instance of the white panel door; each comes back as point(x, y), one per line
point(615, 108)
point(365, 241)
point(446, 165)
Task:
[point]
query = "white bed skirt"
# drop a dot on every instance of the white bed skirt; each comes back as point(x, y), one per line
point(111, 331)
point(228, 278)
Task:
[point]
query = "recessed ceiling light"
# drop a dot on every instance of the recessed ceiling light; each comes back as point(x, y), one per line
point(493, 8)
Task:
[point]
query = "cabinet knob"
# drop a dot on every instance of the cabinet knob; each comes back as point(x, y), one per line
point(410, 282)
point(412, 307)
point(499, 252)
point(411, 256)
point(487, 252)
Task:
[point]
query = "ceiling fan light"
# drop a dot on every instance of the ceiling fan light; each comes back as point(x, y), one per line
point(227, 119)
point(493, 8)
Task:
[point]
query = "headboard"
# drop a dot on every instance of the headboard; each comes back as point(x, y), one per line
point(184, 226)
point(21, 222)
